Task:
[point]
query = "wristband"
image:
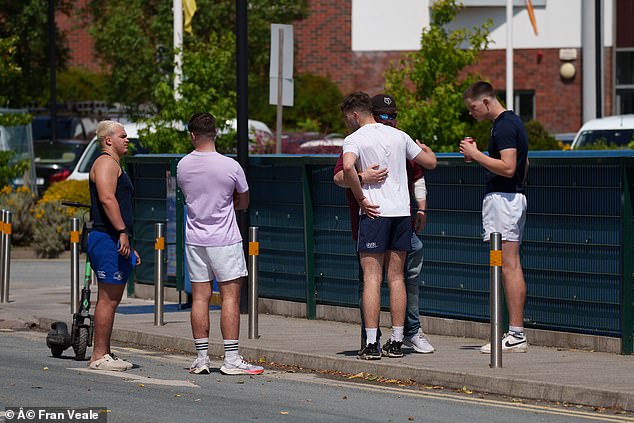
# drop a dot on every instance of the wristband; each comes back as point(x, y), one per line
point(122, 231)
point(420, 211)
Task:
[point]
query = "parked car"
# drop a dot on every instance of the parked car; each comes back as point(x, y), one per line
point(82, 167)
point(66, 127)
point(257, 129)
point(55, 160)
point(610, 131)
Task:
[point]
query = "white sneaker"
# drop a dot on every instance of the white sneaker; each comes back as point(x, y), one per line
point(241, 367)
point(122, 362)
point(510, 343)
point(108, 363)
point(200, 366)
point(419, 343)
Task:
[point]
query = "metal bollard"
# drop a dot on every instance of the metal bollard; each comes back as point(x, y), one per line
point(495, 263)
point(2, 217)
point(159, 249)
point(6, 255)
point(254, 251)
point(74, 265)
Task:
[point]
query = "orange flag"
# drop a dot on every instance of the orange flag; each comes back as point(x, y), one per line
point(531, 15)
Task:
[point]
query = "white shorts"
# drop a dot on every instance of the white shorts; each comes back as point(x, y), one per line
point(504, 212)
point(224, 263)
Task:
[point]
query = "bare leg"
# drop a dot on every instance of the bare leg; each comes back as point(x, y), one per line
point(230, 313)
point(372, 265)
point(108, 298)
point(395, 264)
point(201, 294)
point(514, 284)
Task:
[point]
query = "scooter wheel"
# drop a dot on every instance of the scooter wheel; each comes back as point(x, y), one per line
point(57, 351)
point(81, 344)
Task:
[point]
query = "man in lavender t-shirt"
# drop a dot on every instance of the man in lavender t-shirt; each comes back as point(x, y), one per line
point(214, 186)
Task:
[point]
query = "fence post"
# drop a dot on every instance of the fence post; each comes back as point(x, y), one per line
point(159, 249)
point(2, 216)
point(254, 252)
point(495, 263)
point(6, 255)
point(74, 265)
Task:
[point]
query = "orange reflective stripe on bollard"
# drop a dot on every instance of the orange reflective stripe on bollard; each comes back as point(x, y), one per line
point(6, 228)
point(159, 244)
point(254, 248)
point(495, 258)
point(74, 237)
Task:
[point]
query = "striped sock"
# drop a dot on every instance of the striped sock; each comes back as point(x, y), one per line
point(517, 330)
point(202, 347)
point(231, 350)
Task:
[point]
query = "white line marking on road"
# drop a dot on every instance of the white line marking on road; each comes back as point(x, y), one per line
point(131, 377)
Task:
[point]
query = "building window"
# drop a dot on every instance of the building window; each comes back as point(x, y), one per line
point(624, 81)
point(523, 103)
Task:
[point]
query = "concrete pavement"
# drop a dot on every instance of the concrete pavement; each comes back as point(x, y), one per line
point(40, 295)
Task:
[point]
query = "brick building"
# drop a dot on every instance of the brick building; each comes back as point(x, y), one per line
point(353, 41)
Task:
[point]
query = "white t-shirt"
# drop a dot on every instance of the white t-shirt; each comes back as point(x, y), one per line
point(208, 181)
point(389, 148)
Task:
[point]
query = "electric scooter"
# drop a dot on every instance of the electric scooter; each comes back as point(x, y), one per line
point(81, 334)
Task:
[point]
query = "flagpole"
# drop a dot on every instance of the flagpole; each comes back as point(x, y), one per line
point(178, 46)
point(509, 54)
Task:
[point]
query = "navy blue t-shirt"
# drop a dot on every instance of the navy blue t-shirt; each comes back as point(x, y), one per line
point(508, 132)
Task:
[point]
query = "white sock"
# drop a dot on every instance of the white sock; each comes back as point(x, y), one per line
point(517, 330)
point(397, 333)
point(370, 335)
point(231, 350)
point(202, 347)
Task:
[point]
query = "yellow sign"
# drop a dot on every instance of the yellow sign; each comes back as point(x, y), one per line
point(495, 258)
point(254, 248)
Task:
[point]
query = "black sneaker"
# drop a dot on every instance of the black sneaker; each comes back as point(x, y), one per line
point(392, 349)
point(370, 352)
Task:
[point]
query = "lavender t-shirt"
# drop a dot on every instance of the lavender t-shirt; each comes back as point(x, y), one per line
point(209, 181)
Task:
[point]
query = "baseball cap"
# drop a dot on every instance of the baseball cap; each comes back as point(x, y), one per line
point(383, 103)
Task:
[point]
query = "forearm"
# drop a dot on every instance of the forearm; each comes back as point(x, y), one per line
point(497, 166)
point(351, 180)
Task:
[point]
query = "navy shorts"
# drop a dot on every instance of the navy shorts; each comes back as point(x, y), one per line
point(108, 264)
point(384, 233)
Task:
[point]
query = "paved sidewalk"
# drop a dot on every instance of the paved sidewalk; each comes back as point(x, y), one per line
point(40, 294)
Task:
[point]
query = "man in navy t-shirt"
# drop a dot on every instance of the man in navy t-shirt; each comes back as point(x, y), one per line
point(504, 205)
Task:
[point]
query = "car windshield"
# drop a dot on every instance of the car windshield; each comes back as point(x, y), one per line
point(93, 150)
point(58, 152)
point(605, 138)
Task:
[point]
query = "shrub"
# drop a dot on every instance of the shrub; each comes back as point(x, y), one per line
point(20, 202)
point(52, 220)
point(538, 137)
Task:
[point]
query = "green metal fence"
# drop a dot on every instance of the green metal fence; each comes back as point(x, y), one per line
point(576, 254)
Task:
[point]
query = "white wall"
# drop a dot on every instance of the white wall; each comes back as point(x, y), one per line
point(377, 27)
point(388, 25)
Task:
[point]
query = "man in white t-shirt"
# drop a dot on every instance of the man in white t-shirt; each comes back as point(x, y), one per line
point(214, 186)
point(384, 225)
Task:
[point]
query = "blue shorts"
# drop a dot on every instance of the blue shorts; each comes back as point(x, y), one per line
point(108, 264)
point(384, 233)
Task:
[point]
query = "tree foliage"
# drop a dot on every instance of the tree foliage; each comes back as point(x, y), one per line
point(25, 23)
point(209, 86)
point(133, 39)
point(428, 83)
